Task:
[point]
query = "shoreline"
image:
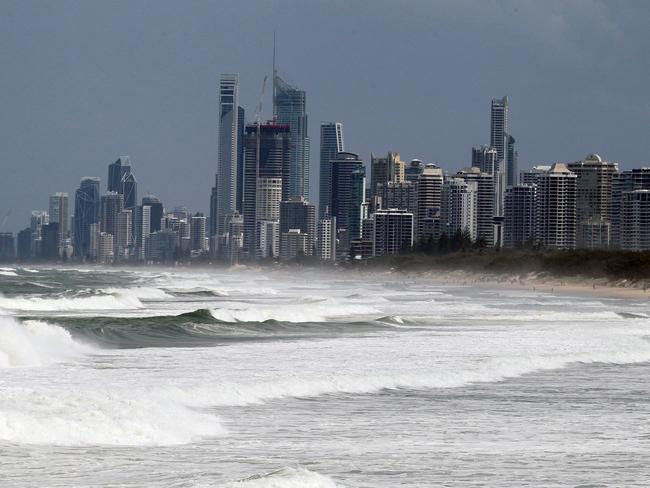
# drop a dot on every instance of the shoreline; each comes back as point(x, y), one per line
point(567, 286)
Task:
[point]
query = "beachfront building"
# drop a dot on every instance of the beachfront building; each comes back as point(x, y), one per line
point(520, 216)
point(556, 208)
point(593, 200)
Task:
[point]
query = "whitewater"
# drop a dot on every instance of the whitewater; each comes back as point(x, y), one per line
point(297, 378)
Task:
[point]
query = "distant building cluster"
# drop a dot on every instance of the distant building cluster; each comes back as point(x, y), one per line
point(260, 209)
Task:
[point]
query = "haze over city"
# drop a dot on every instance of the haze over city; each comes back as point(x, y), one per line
point(86, 82)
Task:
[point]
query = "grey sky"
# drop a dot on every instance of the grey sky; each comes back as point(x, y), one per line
point(84, 82)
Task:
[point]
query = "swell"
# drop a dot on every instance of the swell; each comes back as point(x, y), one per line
point(201, 328)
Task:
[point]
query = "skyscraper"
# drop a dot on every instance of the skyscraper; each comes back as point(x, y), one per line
point(289, 108)
point(499, 141)
point(112, 204)
point(266, 167)
point(512, 176)
point(198, 234)
point(86, 213)
point(229, 168)
point(485, 158)
point(59, 213)
point(130, 191)
point(156, 212)
point(123, 239)
point(142, 230)
point(331, 143)
point(297, 214)
point(348, 195)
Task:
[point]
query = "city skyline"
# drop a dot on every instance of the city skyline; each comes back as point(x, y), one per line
point(152, 93)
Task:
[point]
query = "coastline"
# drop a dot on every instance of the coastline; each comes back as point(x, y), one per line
point(567, 286)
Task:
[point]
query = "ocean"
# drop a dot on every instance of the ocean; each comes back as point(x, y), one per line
point(256, 378)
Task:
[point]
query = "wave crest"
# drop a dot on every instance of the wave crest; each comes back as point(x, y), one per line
point(36, 343)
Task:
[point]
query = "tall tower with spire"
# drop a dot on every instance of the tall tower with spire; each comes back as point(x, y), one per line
point(289, 108)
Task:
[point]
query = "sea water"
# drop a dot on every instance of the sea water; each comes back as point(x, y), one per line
point(259, 378)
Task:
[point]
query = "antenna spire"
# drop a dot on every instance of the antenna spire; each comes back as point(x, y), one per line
point(274, 76)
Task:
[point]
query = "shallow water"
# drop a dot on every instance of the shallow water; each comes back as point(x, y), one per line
point(259, 379)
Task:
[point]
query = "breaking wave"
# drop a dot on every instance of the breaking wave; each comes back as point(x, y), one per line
point(100, 417)
point(36, 343)
point(100, 302)
point(139, 292)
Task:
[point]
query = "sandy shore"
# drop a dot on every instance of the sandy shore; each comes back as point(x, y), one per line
point(574, 286)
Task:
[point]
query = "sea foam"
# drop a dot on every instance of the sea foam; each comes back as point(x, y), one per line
point(36, 343)
point(285, 478)
point(108, 416)
point(119, 301)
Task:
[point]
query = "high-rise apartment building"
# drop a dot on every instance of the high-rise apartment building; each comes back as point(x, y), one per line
point(156, 212)
point(112, 204)
point(295, 243)
point(348, 196)
point(24, 244)
point(458, 210)
point(398, 195)
point(512, 175)
point(142, 230)
point(331, 143)
point(413, 170)
point(59, 213)
point(556, 208)
point(86, 213)
point(593, 200)
point(391, 231)
point(484, 203)
point(326, 244)
point(105, 248)
point(198, 234)
point(429, 195)
point(635, 221)
point(531, 176)
point(289, 108)
point(622, 183)
point(297, 214)
point(520, 216)
point(38, 220)
point(384, 170)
